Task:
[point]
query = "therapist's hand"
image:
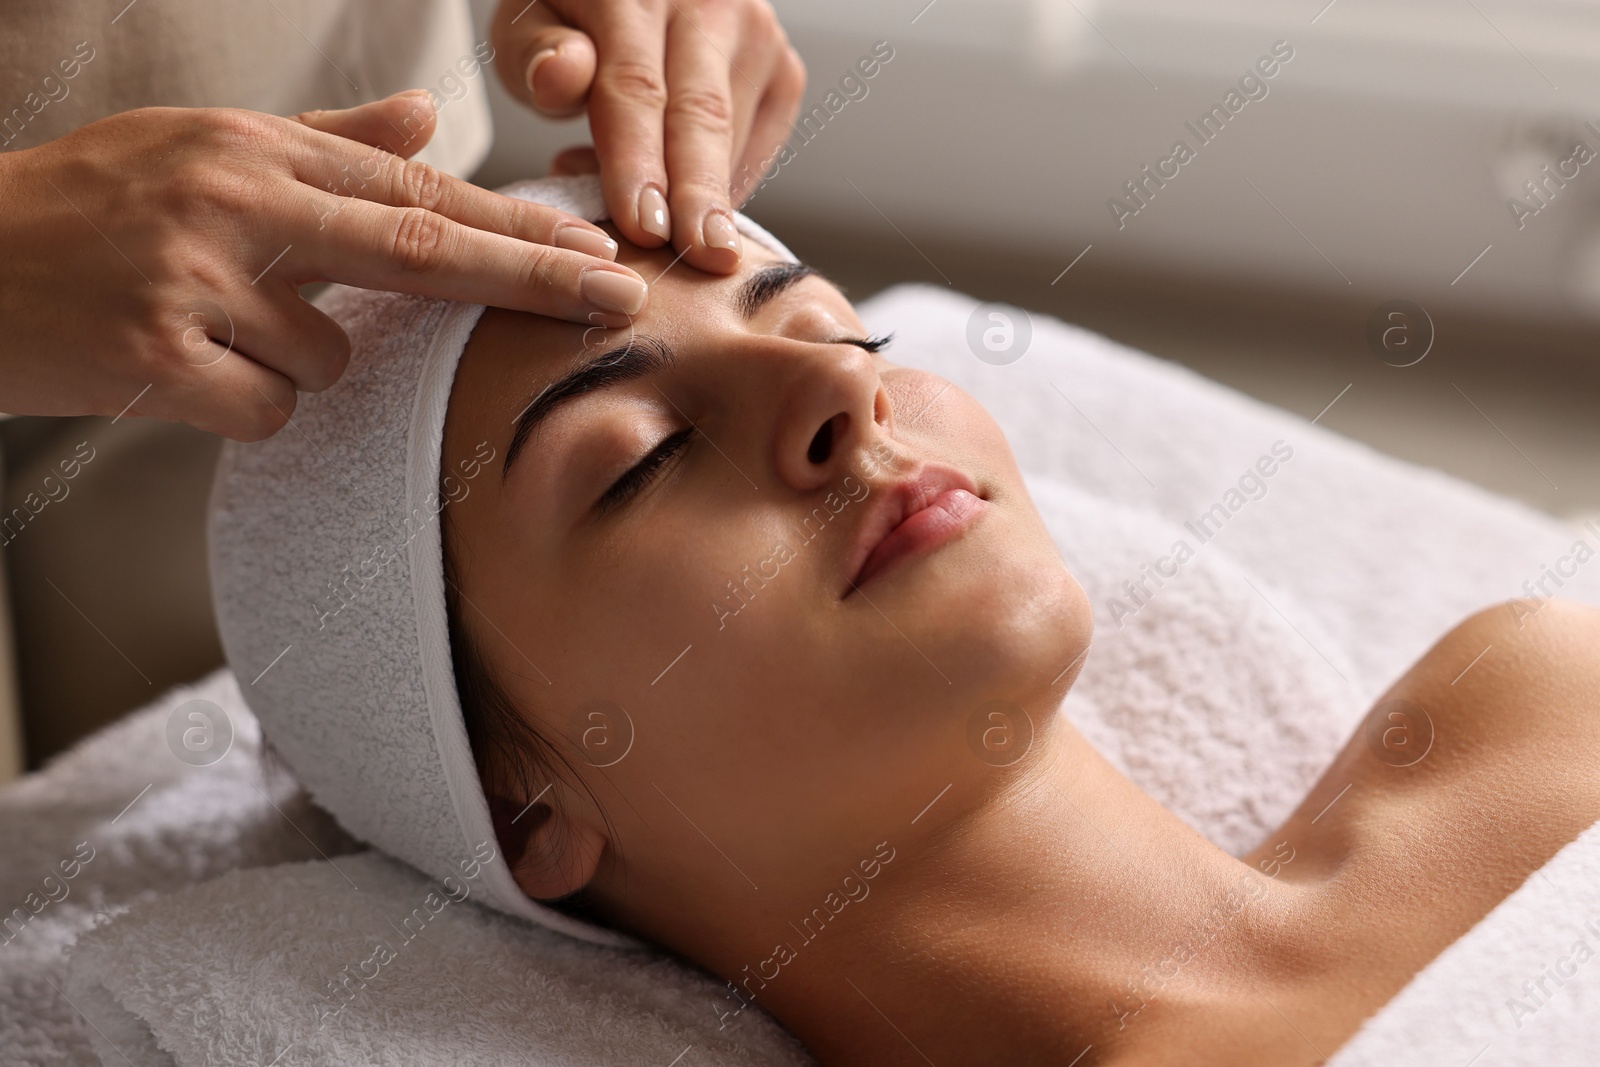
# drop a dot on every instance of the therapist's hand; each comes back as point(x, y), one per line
point(151, 261)
point(685, 98)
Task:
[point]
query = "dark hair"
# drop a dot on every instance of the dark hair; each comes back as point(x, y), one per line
point(511, 755)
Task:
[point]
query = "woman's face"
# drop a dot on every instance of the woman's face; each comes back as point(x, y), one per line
point(686, 580)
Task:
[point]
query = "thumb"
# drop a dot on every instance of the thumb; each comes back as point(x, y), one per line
point(401, 123)
point(559, 71)
point(544, 61)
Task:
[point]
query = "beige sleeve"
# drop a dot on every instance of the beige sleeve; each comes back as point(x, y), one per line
point(66, 63)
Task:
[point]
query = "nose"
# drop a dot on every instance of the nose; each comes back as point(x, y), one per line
point(831, 407)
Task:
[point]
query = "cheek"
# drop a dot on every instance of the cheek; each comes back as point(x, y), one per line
point(622, 615)
point(941, 421)
point(980, 436)
point(721, 694)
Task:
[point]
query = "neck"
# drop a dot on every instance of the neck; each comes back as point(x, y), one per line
point(1069, 914)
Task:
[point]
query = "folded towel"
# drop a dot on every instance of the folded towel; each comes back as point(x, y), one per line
point(131, 821)
point(365, 961)
point(1224, 694)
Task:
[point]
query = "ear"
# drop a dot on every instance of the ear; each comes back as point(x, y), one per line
point(550, 853)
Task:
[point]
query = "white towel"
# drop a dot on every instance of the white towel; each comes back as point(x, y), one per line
point(152, 825)
point(1222, 704)
point(371, 963)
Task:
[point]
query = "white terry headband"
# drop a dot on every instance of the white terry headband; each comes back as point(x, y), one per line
point(327, 575)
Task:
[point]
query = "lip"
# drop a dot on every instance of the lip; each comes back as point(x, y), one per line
point(912, 517)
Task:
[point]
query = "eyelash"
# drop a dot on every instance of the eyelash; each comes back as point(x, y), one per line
point(874, 344)
point(643, 472)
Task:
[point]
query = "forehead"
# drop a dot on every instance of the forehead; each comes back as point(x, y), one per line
point(680, 296)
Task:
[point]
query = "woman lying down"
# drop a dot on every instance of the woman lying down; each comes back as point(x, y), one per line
point(667, 651)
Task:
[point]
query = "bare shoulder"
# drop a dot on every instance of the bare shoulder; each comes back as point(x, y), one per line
point(1512, 697)
point(1477, 766)
point(1492, 736)
point(1515, 671)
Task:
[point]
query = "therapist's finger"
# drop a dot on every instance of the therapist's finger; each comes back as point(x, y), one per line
point(223, 391)
point(771, 126)
point(547, 63)
point(284, 333)
point(401, 123)
point(344, 168)
point(761, 68)
point(699, 123)
point(626, 105)
point(745, 89)
point(579, 159)
point(447, 238)
point(414, 250)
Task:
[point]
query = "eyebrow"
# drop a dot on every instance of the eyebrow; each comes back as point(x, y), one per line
point(640, 356)
point(768, 282)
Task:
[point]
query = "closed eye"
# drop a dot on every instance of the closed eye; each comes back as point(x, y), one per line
point(642, 473)
point(873, 344)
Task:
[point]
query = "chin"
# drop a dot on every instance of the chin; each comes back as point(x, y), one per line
point(998, 614)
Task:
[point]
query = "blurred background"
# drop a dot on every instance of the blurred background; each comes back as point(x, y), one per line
point(1382, 161)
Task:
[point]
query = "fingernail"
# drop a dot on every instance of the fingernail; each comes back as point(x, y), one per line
point(588, 242)
point(535, 63)
point(653, 213)
point(612, 291)
point(718, 231)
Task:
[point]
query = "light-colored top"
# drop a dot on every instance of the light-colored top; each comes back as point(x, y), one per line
point(66, 63)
